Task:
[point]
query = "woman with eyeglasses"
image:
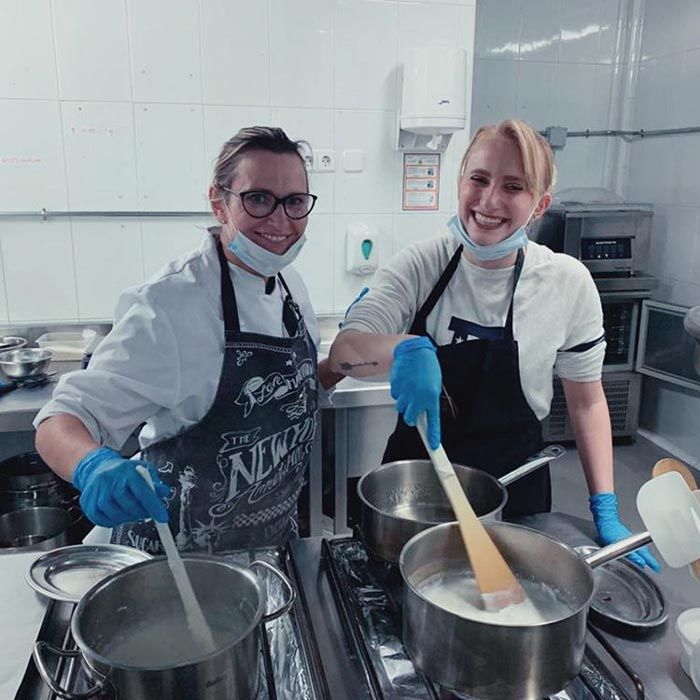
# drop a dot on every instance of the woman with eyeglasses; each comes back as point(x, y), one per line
point(215, 357)
point(474, 324)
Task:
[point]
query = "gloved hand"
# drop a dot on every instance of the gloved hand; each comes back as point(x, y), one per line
point(416, 383)
point(113, 492)
point(363, 291)
point(610, 529)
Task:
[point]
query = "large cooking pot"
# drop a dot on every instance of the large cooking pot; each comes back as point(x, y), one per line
point(24, 472)
point(500, 661)
point(40, 528)
point(129, 625)
point(400, 499)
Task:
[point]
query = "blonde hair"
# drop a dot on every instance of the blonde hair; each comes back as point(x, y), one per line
point(538, 159)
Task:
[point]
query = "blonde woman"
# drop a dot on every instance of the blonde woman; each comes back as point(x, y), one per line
point(474, 324)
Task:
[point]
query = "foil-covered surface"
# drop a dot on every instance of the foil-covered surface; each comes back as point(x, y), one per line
point(373, 591)
point(290, 668)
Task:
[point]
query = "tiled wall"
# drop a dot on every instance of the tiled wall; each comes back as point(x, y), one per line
point(665, 171)
point(124, 104)
point(550, 62)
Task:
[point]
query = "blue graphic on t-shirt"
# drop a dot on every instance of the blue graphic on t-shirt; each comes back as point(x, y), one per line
point(468, 330)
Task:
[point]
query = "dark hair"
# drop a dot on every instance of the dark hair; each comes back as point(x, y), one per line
point(254, 138)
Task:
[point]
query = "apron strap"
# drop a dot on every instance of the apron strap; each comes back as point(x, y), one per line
point(418, 327)
point(291, 314)
point(519, 258)
point(228, 295)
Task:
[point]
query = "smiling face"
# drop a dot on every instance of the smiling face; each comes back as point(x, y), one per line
point(493, 197)
point(280, 174)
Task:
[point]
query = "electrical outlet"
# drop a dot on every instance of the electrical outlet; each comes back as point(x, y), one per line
point(324, 161)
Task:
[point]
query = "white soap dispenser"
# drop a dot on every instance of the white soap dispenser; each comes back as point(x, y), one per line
point(362, 249)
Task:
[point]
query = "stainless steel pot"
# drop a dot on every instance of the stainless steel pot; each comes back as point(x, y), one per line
point(26, 472)
point(400, 499)
point(40, 528)
point(499, 661)
point(231, 596)
point(25, 362)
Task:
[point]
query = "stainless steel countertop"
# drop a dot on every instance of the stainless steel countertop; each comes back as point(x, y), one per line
point(19, 407)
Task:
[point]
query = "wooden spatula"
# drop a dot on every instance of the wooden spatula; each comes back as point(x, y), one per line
point(663, 466)
point(497, 583)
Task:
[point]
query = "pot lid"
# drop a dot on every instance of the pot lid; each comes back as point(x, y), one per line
point(626, 600)
point(691, 322)
point(67, 573)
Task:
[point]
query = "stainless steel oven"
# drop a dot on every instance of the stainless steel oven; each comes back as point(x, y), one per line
point(607, 238)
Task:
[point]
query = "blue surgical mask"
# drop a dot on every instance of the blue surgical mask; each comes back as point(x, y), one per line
point(496, 251)
point(263, 261)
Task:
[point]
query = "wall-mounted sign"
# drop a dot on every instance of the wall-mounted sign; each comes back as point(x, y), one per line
point(421, 181)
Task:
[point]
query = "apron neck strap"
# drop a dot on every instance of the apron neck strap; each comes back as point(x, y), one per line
point(519, 259)
point(228, 295)
point(291, 315)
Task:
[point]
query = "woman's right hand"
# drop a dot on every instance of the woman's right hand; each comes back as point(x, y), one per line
point(416, 384)
point(113, 492)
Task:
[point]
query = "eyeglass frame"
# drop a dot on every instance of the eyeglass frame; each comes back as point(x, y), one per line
point(278, 201)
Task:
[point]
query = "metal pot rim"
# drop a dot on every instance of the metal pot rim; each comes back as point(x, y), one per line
point(92, 655)
point(564, 547)
point(393, 465)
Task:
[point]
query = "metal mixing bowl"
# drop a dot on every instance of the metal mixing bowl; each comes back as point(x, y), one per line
point(26, 362)
point(11, 342)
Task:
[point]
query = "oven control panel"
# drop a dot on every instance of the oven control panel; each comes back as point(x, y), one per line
point(606, 248)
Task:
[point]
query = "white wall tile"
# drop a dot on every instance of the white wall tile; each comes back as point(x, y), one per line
point(108, 258)
point(100, 156)
point(662, 30)
point(40, 286)
point(348, 285)
point(92, 50)
point(658, 94)
point(580, 31)
point(685, 88)
point(541, 31)
point(499, 23)
point(235, 55)
point(582, 96)
point(164, 240)
point(683, 155)
point(165, 51)
point(170, 160)
point(315, 262)
point(221, 123)
point(27, 58)
point(652, 171)
point(365, 54)
point(612, 20)
point(32, 171)
point(4, 312)
point(316, 127)
point(680, 259)
point(422, 24)
point(536, 93)
point(495, 91)
point(301, 53)
point(372, 189)
point(411, 227)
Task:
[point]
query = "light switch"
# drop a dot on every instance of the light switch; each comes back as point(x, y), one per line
point(353, 160)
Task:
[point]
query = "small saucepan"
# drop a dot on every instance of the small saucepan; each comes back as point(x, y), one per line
point(489, 655)
point(42, 528)
point(400, 499)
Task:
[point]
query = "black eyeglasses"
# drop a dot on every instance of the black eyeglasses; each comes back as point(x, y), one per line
point(260, 203)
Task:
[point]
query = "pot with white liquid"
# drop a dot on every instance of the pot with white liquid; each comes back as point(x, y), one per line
point(132, 633)
point(523, 652)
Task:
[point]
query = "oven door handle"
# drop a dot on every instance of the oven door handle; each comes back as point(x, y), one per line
point(38, 653)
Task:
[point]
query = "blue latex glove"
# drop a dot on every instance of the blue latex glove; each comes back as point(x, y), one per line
point(113, 492)
point(357, 298)
point(610, 529)
point(416, 383)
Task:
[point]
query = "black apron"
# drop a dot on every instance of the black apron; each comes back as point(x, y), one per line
point(486, 420)
point(237, 474)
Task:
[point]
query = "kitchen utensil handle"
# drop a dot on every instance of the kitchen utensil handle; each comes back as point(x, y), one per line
point(618, 549)
point(38, 654)
point(547, 455)
point(291, 594)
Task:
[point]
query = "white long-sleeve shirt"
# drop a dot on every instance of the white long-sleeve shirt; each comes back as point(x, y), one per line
point(160, 364)
point(557, 314)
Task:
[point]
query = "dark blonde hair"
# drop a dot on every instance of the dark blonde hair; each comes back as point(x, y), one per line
point(254, 138)
point(538, 159)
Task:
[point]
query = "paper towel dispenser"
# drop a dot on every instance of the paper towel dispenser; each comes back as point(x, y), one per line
point(433, 98)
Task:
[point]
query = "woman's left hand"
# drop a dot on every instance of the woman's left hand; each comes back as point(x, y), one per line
point(611, 529)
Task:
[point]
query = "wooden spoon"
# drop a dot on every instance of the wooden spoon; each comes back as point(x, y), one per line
point(497, 583)
point(663, 466)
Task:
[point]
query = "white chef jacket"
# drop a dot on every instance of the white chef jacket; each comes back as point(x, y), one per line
point(160, 365)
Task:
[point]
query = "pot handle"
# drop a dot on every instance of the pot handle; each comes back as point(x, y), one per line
point(618, 549)
point(38, 652)
point(548, 454)
point(291, 595)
